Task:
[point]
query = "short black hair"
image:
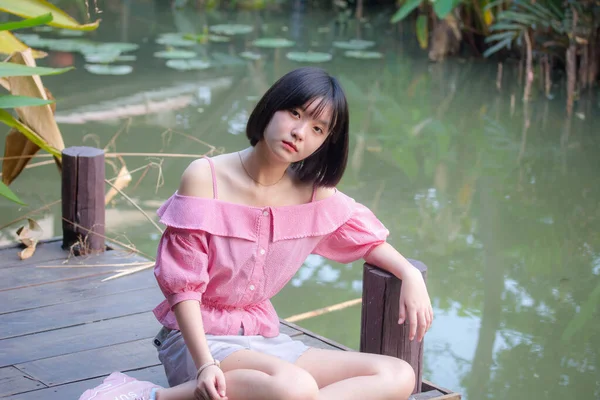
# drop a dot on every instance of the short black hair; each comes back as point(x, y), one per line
point(326, 166)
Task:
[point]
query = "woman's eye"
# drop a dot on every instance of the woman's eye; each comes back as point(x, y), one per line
point(295, 113)
point(318, 130)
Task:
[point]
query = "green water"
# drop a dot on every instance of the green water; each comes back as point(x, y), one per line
point(502, 202)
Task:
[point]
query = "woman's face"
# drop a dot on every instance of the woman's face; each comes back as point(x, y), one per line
point(293, 135)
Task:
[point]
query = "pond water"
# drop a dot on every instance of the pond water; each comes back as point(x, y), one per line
point(499, 199)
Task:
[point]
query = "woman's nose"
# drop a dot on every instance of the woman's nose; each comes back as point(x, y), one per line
point(298, 131)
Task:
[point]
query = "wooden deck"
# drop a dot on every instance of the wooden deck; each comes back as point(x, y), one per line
point(62, 330)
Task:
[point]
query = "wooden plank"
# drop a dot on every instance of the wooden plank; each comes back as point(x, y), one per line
point(92, 363)
point(45, 251)
point(288, 330)
point(74, 390)
point(83, 211)
point(314, 342)
point(432, 394)
point(14, 381)
point(77, 338)
point(73, 290)
point(427, 385)
point(18, 277)
point(314, 335)
point(71, 314)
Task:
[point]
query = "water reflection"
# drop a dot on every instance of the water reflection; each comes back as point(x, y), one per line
point(501, 201)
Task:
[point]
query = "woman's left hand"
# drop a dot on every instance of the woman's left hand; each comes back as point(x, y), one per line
point(415, 304)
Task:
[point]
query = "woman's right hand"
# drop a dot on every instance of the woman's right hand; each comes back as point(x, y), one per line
point(210, 384)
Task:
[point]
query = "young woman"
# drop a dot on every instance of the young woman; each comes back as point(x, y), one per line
point(238, 229)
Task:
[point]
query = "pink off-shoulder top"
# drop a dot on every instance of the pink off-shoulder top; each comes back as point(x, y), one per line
point(234, 258)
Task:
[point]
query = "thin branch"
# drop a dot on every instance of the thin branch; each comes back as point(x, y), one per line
point(135, 205)
point(324, 310)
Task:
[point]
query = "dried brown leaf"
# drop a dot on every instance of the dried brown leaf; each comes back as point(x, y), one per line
point(27, 252)
point(30, 234)
point(39, 118)
point(16, 145)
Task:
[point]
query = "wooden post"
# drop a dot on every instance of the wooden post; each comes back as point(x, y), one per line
point(83, 199)
point(380, 332)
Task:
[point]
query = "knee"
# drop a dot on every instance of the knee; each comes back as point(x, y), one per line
point(399, 377)
point(296, 384)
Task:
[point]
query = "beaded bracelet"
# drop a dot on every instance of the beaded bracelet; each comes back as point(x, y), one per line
point(208, 364)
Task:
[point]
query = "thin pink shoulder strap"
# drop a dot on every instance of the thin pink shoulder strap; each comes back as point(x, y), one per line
point(214, 176)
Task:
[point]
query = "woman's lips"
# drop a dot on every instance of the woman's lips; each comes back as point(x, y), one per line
point(290, 146)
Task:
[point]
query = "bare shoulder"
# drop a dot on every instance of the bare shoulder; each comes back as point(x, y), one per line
point(324, 192)
point(197, 180)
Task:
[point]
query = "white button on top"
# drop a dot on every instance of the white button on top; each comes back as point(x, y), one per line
point(262, 251)
point(251, 287)
point(266, 213)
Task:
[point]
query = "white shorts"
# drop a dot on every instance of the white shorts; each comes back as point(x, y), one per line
point(179, 365)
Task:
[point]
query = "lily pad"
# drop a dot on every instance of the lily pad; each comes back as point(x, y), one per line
point(174, 39)
point(123, 47)
point(219, 38)
point(175, 54)
point(309, 57)
point(231, 29)
point(107, 57)
point(273, 43)
point(43, 28)
point(363, 55)
point(354, 44)
point(188, 65)
point(70, 32)
point(25, 37)
point(103, 69)
point(250, 55)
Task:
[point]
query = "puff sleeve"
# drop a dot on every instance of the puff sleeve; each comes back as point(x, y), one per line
point(355, 238)
point(181, 268)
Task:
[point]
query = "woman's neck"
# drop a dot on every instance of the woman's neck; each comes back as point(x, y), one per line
point(260, 167)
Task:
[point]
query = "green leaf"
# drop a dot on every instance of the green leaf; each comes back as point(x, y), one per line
point(500, 36)
point(422, 31)
point(498, 46)
point(12, 69)
point(11, 101)
point(6, 192)
point(33, 8)
point(406, 9)
point(8, 119)
point(503, 26)
point(443, 7)
point(26, 23)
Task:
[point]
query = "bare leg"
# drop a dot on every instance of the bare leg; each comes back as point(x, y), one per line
point(251, 375)
point(358, 376)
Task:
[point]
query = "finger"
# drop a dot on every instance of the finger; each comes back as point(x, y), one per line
point(412, 317)
point(221, 384)
point(422, 326)
point(402, 314)
point(211, 390)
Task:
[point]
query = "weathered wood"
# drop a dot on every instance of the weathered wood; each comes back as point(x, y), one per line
point(45, 251)
point(92, 363)
point(380, 331)
point(83, 199)
point(74, 390)
point(14, 381)
point(66, 291)
point(85, 311)
point(431, 395)
point(78, 338)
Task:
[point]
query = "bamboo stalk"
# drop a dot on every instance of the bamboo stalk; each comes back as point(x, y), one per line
point(324, 310)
